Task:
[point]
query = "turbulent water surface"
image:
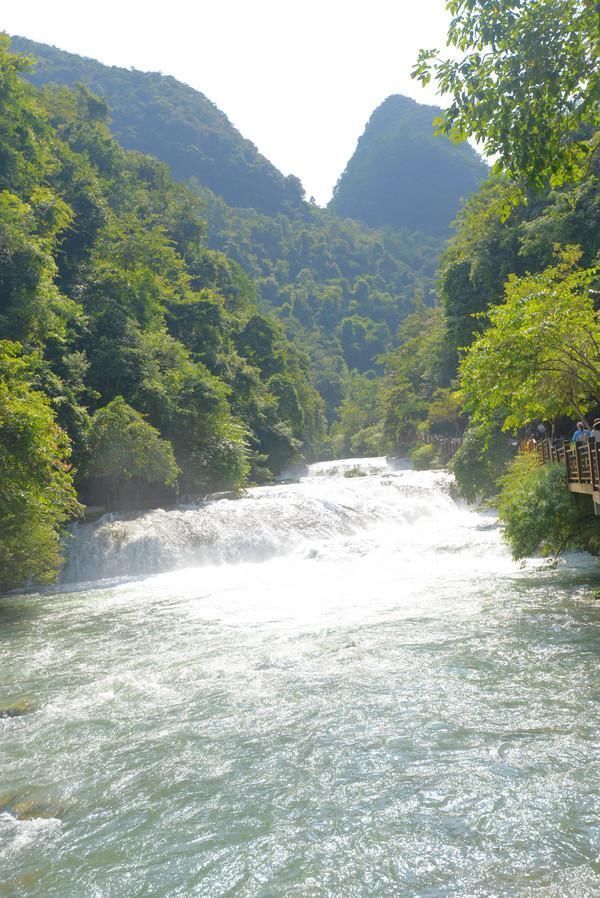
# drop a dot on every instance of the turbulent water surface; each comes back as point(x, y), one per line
point(338, 688)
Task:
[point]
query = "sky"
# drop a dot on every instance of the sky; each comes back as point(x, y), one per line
point(299, 79)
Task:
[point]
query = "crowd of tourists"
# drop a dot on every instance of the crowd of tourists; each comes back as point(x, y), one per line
point(583, 433)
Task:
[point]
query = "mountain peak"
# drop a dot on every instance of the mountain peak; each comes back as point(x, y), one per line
point(402, 175)
point(161, 116)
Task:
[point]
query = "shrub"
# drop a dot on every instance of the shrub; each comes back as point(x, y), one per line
point(425, 456)
point(480, 461)
point(538, 511)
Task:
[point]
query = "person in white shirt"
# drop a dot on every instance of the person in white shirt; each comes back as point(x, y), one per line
point(595, 431)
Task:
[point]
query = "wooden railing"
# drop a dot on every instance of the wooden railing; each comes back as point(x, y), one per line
point(446, 446)
point(582, 461)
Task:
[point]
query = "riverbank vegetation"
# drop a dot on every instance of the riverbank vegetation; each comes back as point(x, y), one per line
point(339, 287)
point(132, 358)
point(520, 277)
point(162, 339)
point(179, 338)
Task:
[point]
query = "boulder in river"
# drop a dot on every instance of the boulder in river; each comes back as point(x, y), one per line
point(16, 709)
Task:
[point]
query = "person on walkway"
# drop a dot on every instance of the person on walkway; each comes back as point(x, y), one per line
point(595, 431)
point(581, 432)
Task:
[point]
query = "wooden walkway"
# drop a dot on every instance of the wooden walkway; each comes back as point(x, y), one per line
point(582, 461)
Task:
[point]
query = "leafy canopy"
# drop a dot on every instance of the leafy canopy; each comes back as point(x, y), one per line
point(537, 510)
point(122, 445)
point(540, 356)
point(526, 82)
point(36, 488)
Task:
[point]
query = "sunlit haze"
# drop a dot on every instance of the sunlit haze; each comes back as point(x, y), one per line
point(299, 79)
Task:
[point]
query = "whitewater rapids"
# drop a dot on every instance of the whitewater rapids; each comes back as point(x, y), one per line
point(337, 688)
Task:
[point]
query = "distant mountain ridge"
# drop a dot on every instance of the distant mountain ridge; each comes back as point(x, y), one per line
point(158, 115)
point(401, 175)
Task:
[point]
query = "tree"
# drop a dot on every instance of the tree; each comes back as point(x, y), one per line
point(540, 356)
point(538, 511)
point(480, 461)
point(36, 482)
point(125, 453)
point(527, 85)
point(411, 373)
point(359, 430)
point(32, 308)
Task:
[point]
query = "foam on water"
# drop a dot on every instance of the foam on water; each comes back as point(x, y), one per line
point(336, 501)
point(337, 687)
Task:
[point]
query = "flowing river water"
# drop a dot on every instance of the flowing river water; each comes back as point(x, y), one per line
point(337, 688)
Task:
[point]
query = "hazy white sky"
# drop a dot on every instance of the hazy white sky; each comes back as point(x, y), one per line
point(299, 78)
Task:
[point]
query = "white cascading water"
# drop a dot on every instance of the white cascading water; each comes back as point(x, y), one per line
point(337, 688)
point(337, 506)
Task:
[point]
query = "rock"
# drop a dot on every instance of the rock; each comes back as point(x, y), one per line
point(16, 709)
point(32, 809)
point(26, 808)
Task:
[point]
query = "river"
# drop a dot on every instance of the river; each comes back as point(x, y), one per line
point(337, 688)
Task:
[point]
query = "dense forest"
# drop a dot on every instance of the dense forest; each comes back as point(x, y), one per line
point(161, 116)
point(339, 287)
point(159, 339)
point(134, 361)
point(515, 340)
point(170, 328)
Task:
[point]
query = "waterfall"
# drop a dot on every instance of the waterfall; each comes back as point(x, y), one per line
point(331, 502)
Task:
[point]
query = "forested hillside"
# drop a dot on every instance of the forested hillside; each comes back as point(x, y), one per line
point(339, 287)
point(515, 344)
point(134, 361)
point(486, 253)
point(161, 116)
point(401, 175)
point(166, 339)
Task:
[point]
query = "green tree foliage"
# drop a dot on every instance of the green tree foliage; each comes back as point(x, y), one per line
point(539, 356)
point(359, 430)
point(401, 176)
point(412, 375)
point(445, 414)
point(315, 270)
point(480, 462)
point(36, 482)
point(526, 83)
point(425, 456)
point(539, 513)
point(363, 341)
point(311, 268)
point(32, 308)
point(479, 257)
point(506, 294)
point(486, 249)
point(107, 283)
point(125, 453)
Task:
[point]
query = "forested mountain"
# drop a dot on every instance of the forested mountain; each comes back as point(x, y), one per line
point(401, 175)
point(161, 338)
point(159, 115)
point(339, 287)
